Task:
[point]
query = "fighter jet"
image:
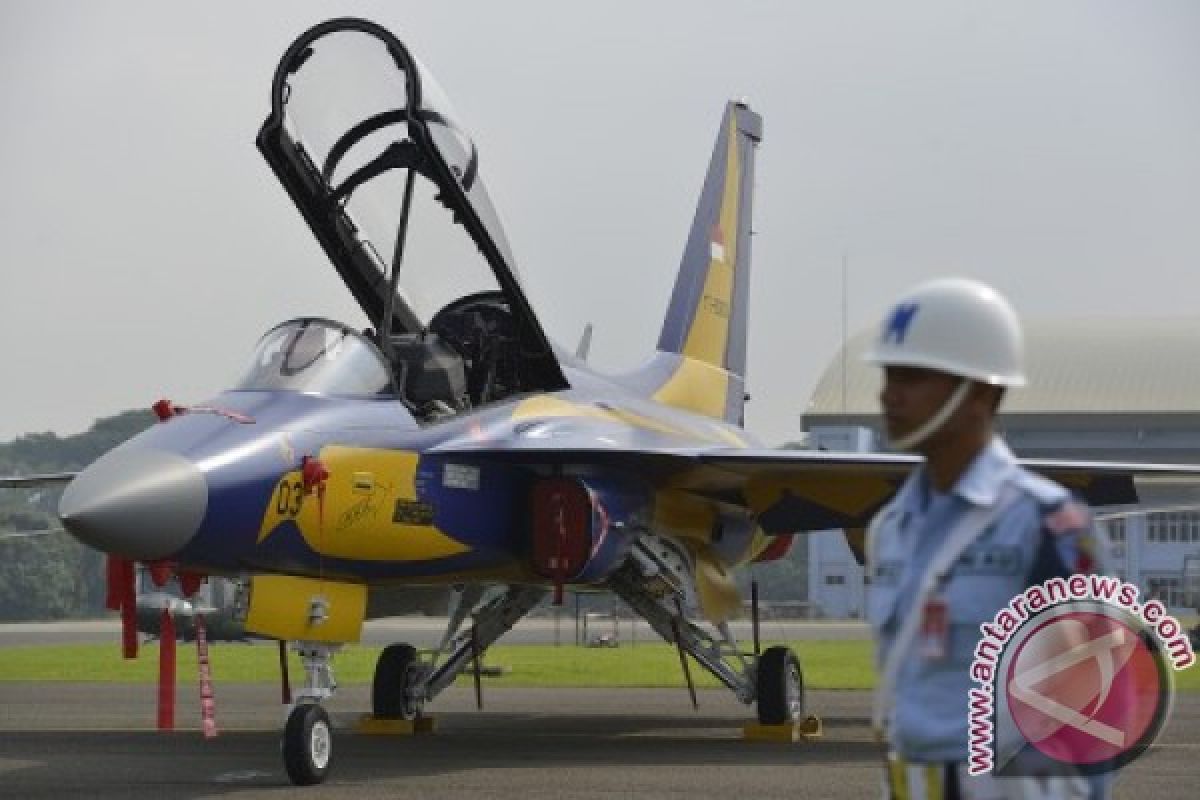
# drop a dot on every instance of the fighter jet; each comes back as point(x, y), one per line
point(454, 444)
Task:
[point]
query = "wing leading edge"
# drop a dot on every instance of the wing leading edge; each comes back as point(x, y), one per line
point(36, 481)
point(791, 491)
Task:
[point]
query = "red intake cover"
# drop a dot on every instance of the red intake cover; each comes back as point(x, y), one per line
point(562, 528)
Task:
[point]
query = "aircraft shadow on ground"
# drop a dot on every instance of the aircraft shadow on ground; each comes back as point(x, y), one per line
point(132, 764)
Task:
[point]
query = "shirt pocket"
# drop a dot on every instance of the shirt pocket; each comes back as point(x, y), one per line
point(985, 579)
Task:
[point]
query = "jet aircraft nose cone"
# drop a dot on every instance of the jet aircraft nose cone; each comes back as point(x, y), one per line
point(137, 503)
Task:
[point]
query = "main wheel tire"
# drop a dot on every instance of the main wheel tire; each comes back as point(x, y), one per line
point(393, 677)
point(307, 744)
point(780, 686)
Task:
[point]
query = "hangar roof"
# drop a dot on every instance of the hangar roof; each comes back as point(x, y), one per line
point(1110, 365)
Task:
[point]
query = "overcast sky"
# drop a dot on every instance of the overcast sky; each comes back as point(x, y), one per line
point(1050, 148)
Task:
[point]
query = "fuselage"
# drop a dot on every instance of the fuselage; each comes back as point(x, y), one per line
point(399, 503)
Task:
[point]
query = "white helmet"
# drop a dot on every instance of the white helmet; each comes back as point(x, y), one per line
point(953, 325)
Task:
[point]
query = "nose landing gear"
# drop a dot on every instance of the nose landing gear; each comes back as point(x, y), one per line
point(307, 744)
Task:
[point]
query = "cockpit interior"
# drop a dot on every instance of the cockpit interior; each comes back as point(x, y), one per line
point(468, 356)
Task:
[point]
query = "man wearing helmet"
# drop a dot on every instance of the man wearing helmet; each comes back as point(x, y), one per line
point(969, 530)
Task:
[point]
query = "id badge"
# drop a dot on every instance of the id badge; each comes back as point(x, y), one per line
point(935, 629)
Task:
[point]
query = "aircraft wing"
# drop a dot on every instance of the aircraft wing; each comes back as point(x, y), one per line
point(792, 491)
point(31, 534)
point(35, 481)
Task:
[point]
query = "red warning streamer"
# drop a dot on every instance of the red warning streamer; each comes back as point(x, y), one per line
point(208, 704)
point(121, 595)
point(313, 474)
point(166, 672)
point(113, 593)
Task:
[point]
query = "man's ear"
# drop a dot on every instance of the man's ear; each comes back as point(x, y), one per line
point(986, 396)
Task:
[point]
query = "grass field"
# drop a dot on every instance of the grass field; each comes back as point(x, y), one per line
point(827, 665)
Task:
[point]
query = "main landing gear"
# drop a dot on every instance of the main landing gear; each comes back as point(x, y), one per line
point(779, 686)
point(405, 682)
point(397, 673)
point(773, 681)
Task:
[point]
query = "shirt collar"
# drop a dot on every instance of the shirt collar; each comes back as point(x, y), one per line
point(979, 485)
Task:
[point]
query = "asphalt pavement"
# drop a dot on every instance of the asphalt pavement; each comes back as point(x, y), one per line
point(95, 740)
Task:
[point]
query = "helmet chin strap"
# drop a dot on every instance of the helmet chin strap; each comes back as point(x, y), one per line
point(911, 441)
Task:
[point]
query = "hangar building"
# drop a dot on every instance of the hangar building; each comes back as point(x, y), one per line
point(1099, 389)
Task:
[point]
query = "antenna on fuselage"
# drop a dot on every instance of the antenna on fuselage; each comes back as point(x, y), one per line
point(845, 321)
point(585, 343)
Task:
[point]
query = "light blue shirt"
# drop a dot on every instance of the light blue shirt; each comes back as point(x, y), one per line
point(929, 721)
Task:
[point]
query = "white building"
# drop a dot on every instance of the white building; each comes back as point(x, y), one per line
point(1112, 390)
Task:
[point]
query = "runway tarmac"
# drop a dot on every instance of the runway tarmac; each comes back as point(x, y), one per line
point(80, 740)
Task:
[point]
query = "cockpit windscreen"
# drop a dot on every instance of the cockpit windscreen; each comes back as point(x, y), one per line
point(319, 357)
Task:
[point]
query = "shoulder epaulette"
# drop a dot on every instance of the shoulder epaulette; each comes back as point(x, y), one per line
point(1048, 494)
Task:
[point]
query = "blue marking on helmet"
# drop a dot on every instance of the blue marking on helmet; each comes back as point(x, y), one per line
point(897, 325)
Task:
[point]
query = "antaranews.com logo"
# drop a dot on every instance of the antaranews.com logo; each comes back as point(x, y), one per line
point(1074, 670)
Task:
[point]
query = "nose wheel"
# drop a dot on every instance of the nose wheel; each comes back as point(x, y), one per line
point(308, 735)
point(307, 744)
point(780, 685)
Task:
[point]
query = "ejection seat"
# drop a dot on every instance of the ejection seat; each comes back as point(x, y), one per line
point(429, 373)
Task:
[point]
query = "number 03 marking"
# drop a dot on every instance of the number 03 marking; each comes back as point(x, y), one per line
point(289, 497)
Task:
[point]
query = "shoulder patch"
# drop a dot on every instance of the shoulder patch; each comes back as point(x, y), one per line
point(1086, 544)
point(1070, 516)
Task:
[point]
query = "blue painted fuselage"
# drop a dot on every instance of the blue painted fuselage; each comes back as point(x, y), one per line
point(243, 464)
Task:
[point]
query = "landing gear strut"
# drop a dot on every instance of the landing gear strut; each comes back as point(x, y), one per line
point(403, 683)
point(307, 743)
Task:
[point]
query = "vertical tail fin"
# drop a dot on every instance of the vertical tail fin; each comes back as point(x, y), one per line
point(706, 320)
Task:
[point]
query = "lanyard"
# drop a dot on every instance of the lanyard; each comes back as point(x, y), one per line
point(969, 528)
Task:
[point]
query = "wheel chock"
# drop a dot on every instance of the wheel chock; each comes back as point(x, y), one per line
point(803, 730)
point(375, 726)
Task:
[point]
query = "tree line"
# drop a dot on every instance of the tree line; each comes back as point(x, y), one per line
point(53, 576)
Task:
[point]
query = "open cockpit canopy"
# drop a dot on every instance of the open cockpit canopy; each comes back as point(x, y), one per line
point(366, 144)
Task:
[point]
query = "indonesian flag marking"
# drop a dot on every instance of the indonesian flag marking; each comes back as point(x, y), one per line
point(717, 244)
